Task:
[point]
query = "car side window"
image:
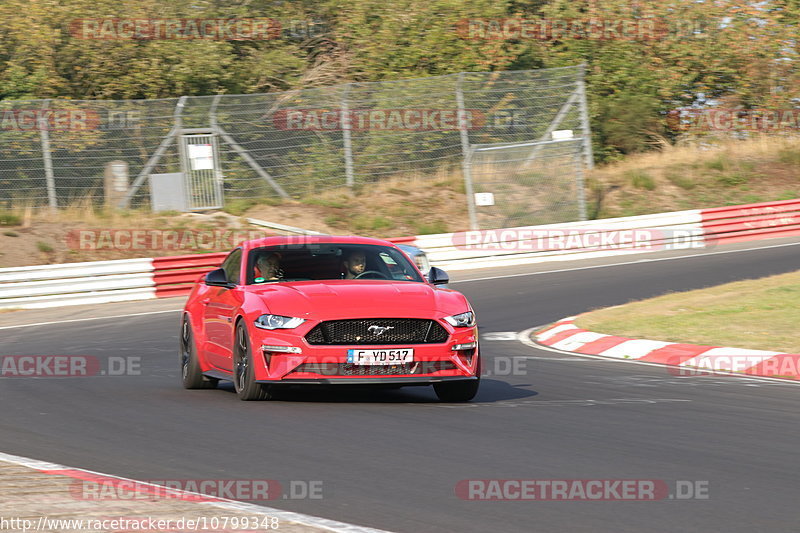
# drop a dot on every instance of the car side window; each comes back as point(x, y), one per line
point(233, 266)
point(397, 270)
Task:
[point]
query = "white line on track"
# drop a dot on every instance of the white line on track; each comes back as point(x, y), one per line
point(89, 318)
point(525, 338)
point(222, 503)
point(705, 254)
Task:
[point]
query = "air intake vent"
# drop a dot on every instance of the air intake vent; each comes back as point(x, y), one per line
point(378, 331)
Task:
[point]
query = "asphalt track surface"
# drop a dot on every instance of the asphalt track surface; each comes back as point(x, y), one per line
point(391, 459)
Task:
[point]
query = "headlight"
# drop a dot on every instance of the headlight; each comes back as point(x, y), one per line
point(464, 320)
point(278, 322)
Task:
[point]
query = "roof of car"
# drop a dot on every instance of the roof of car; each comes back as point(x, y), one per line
point(313, 239)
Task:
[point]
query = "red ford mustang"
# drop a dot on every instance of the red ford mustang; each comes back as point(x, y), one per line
point(327, 310)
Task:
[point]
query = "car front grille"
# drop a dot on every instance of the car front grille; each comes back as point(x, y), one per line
point(378, 331)
point(349, 369)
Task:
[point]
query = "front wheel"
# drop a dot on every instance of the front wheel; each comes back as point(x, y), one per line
point(243, 375)
point(456, 391)
point(191, 374)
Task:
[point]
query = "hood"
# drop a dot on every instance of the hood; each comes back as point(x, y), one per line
point(341, 299)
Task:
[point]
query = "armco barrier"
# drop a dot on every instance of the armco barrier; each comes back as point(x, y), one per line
point(511, 246)
point(102, 281)
point(752, 222)
point(139, 279)
point(174, 276)
point(42, 286)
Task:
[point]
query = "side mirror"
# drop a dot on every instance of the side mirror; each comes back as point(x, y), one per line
point(437, 276)
point(218, 278)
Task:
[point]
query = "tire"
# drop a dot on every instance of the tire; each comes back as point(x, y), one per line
point(456, 391)
point(243, 376)
point(191, 375)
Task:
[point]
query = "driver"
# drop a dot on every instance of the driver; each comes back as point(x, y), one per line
point(354, 264)
point(268, 267)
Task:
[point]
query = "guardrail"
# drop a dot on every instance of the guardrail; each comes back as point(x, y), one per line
point(563, 242)
point(140, 279)
point(102, 281)
point(752, 222)
point(174, 276)
point(41, 286)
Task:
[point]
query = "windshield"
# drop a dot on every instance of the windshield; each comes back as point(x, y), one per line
point(328, 261)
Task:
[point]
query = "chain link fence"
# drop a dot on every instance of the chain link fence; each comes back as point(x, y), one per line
point(526, 184)
point(55, 153)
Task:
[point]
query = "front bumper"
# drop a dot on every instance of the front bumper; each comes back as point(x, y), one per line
point(327, 364)
point(404, 381)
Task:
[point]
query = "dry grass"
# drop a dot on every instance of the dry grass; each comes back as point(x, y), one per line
point(761, 147)
point(399, 205)
point(415, 203)
point(755, 314)
point(692, 176)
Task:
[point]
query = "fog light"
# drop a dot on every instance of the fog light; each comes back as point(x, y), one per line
point(465, 346)
point(281, 349)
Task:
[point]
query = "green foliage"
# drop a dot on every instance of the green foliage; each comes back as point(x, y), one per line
point(628, 122)
point(789, 156)
point(750, 199)
point(788, 195)
point(733, 179)
point(681, 179)
point(44, 247)
point(7, 219)
point(632, 83)
point(641, 180)
point(238, 206)
point(719, 163)
point(370, 223)
point(334, 221)
point(336, 203)
point(430, 228)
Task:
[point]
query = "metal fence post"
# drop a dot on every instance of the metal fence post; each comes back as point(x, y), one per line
point(581, 186)
point(588, 153)
point(466, 163)
point(285, 143)
point(47, 156)
point(348, 146)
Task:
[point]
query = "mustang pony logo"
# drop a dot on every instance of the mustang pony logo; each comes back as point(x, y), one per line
point(379, 330)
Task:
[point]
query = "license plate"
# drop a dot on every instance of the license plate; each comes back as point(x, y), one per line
point(396, 356)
